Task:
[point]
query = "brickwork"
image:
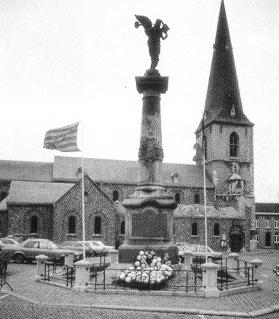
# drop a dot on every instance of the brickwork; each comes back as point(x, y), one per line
point(265, 228)
point(20, 216)
point(218, 156)
point(3, 223)
point(96, 204)
point(183, 231)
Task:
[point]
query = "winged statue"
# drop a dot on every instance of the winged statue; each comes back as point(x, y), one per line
point(155, 33)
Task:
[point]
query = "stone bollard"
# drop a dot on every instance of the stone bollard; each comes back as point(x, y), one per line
point(113, 254)
point(256, 263)
point(41, 261)
point(232, 262)
point(188, 260)
point(82, 275)
point(209, 279)
point(69, 259)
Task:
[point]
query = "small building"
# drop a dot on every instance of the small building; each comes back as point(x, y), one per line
point(267, 225)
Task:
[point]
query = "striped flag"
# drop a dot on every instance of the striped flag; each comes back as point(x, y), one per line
point(63, 139)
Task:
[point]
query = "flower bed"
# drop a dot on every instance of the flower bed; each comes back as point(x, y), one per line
point(149, 272)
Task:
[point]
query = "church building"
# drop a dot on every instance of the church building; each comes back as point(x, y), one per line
point(44, 199)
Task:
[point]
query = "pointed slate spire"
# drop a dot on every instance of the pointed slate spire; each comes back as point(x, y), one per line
point(223, 102)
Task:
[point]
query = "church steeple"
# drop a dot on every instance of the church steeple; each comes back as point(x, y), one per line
point(223, 103)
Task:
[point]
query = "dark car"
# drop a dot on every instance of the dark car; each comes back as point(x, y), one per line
point(32, 247)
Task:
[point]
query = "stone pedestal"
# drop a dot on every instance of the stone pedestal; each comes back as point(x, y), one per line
point(41, 261)
point(232, 262)
point(256, 263)
point(209, 279)
point(113, 257)
point(69, 260)
point(149, 209)
point(82, 275)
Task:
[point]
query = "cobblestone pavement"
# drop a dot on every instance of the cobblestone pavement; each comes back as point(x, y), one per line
point(52, 299)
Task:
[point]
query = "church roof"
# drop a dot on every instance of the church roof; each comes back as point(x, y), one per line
point(267, 208)
point(197, 211)
point(223, 93)
point(25, 171)
point(68, 169)
point(36, 192)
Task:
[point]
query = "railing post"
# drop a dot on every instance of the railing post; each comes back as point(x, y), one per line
point(256, 263)
point(41, 270)
point(82, 275)
point(209, 279)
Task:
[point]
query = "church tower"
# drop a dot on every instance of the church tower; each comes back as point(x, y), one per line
point(228, 133)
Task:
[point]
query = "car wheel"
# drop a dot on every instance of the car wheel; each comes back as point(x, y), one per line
point(19, 259)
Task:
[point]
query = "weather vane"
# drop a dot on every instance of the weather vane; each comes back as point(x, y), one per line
point(155, 33)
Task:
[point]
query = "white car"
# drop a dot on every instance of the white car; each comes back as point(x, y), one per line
point(198, 251)
point(98, 246)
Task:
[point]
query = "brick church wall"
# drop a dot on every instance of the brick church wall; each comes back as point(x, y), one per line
point(95, 205)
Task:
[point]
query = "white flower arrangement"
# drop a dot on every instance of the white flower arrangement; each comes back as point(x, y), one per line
point(149, 271)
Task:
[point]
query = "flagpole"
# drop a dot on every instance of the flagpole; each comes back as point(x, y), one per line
point(82, 194)
point(205, 208)
point(204, 186)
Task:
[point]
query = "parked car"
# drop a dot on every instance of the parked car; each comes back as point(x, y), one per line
point(198, 251)
point(99, 247)
point(8, 241)
point(78, 246)
point(32, 247)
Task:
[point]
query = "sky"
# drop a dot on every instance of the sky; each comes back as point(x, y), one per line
point(67, 61)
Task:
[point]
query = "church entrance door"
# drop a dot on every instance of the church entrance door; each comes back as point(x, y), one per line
point(236, 238)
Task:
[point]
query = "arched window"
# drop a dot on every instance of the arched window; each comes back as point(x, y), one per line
point(268, 239)
point(216, 230)
point(34, 224)
point(72, 224)
point(194, 229)
point(3, 195)
point(98, 225)
point(197, 198)
point(234, 145)
point(122, 227)
point(177, 198)
point(115, 195)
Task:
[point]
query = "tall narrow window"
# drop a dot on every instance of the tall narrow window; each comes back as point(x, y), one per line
point(72, 224)
point(177, 198)
point(197, 198)
point(194, 229)
point(122, 227)
point(216, 230)
point(98, 225)
point(115, 195)
point(205, 147)
point(234, 145)
point(34, 224)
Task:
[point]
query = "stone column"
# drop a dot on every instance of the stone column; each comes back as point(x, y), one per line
point(209, 279)
point(256, 263)
point(149, 209)
point(41, 261)
point(82, 275)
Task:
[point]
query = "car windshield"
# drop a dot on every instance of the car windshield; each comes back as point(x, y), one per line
point(96, 243)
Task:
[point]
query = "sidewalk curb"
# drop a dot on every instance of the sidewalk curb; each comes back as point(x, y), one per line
point(253, 314)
